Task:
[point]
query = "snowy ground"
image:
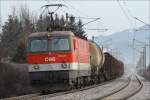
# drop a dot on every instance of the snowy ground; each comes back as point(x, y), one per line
point(144, 94)
point(91, 93)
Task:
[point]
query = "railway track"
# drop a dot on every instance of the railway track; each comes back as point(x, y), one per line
point(38, 96)
point(133, 86)
point(22, 97)
point(90, 92)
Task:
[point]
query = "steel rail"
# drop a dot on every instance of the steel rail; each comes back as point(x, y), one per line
point(67, 92)
point(136, 91)
point(115, 90)
point(36, 96)
point(125, 97)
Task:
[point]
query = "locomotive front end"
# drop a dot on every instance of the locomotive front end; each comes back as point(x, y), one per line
point(50, 57)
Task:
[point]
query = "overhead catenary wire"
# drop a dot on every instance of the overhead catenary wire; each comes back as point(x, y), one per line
point(90, 21)
point(81, 13)
point(148, 29)
point(128, 17)
point(78, 11)
point(141, 21)
point(96, 29)
point(128, 10)
point(85, 17)
point(93, 19)
point(52, 5)
point(124, 12)
point(80, 17)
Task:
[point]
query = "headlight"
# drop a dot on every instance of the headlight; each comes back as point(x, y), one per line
point(64, 65)
point(36, 66)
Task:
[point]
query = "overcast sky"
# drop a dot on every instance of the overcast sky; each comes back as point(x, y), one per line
point(116, 16)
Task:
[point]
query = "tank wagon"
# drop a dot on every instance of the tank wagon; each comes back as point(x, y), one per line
point(61, 57)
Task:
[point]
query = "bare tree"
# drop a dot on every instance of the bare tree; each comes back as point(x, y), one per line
point(11, 33)
point(28, 22)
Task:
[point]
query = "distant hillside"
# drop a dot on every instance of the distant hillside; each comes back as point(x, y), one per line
point(123, 41)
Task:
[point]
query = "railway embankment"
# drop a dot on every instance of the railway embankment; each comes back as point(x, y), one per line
point(13, 80)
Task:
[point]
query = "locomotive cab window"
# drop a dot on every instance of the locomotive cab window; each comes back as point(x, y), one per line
point(38, 45)
point(60, 44)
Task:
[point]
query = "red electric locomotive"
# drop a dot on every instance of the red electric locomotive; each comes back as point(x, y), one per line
point(57, 56)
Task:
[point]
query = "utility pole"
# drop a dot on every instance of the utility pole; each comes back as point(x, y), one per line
point(149, 33)
point(144, 59)
point(144, 52)
point(141, 63)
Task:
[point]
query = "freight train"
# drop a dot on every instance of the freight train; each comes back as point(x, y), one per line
point(62, 57)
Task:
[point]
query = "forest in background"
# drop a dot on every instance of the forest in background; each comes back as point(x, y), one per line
point(19, 25)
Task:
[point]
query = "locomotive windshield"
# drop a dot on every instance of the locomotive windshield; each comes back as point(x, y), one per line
point(60, 44)
point(38, 45)
point(53, 44)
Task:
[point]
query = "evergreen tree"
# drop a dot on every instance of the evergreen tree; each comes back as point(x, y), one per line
point(11, 34)
point(72, 24)
point(77, 28)
point(62, 21)
point(80, 28)
point(18, 28)
point(40, 24)
point(27, 22)
point(57, 21)
point(20, 55)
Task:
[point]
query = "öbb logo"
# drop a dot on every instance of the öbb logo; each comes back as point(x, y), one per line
point(49, 59)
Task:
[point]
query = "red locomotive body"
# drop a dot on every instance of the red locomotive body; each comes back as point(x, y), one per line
point(57, 56)
point(62, 56)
